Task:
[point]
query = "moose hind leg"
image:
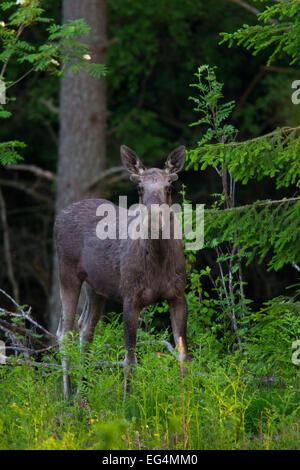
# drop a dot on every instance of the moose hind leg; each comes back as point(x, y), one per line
point(69, 298)
point(91, 314)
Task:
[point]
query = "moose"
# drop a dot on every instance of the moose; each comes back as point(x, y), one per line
point(136, 272)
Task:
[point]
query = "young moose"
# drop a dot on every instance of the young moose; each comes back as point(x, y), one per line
point(136, 272)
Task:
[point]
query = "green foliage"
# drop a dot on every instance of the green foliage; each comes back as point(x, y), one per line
point(282, 34)
point(147, 80)
point(61, 47)
point(262, 227)
point(148, 76)
point(9, 152)
point(275, 327)
point(218, 405)
point(273, 155)
point(209, 106)
point(60, 53)
point(263, 230)
point(259, 229)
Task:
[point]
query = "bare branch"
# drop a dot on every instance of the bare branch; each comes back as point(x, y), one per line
point(252, 9)
point(262, 70)
point(33, 169)
point(105, 174)
point(109, 42)
point(31, 192)
point(32, 363)
point(20, 31)
point(24, 315)
point(50, 106)
point(31, 351)
point(20, 79)
point(260, 204)
point(16, 329)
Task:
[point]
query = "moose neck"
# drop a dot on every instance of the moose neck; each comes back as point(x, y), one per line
point(162, 248)
point(158, 248)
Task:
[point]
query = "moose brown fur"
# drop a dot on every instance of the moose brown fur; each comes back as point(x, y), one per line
point(135, 272)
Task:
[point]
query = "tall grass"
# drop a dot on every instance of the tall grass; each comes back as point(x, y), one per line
point(215, 404)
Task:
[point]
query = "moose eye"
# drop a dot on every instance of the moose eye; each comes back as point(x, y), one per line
point(170, 189)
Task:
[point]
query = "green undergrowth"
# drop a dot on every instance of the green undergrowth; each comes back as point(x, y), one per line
point(214, 402)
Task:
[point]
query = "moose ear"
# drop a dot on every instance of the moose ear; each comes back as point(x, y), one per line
point(131, 161)
point(176, 160)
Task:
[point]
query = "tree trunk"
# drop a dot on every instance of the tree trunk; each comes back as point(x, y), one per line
point(82, 145)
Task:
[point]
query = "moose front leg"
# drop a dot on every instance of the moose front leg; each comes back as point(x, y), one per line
point(130, 319)
point(178, 312)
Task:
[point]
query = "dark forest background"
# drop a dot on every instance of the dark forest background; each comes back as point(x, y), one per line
point(152, 50)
